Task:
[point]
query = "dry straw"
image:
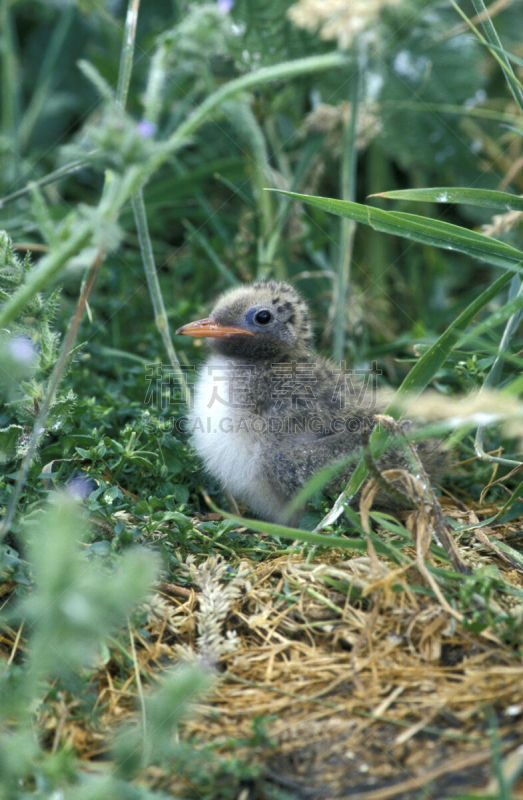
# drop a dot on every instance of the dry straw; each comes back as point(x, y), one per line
point(372, 686)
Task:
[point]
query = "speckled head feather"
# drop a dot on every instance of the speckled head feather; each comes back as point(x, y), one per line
point(271, 310)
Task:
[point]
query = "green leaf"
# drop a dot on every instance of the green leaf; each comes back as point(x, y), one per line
point(75, 603)
point(9, 438)
point(487, 198)
point(421, 229)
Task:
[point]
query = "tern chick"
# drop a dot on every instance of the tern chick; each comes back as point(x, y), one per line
point(269, 412)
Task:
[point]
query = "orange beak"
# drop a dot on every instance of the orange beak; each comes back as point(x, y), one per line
point(208, 327)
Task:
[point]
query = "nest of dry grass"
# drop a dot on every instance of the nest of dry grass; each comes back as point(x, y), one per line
point(370, 688)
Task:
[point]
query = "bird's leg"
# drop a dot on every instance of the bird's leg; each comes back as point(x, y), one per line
point(233, 505)
point(442, 533)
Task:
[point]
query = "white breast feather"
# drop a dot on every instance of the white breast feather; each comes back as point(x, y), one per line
point(224, 435)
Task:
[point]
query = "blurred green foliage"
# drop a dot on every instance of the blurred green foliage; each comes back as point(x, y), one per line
point(434, 111)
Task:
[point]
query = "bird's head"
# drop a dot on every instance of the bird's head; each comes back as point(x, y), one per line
point(264, 320)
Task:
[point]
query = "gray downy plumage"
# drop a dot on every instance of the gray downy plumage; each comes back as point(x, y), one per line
point(269, 412)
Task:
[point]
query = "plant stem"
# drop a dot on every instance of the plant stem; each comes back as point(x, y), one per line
point(240, 115)
point(300, 171)
point(52, 386)
point(160, 314)
point(139, 689)
point(140, 214)
point(156, 79)
point(127, 53)
point(278, 72)
point(136, 178)
point(347, 226)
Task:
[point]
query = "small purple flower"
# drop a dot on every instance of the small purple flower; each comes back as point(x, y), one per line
point(146, 129)
point(80, 486)
point(224, 6)
point(22, 350)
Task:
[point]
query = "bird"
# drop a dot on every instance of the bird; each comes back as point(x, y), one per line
point(268, 412)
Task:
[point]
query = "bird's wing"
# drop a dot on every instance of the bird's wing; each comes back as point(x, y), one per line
point(290, 460)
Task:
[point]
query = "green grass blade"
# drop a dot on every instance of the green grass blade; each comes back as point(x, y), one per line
point(155, 292)
point(202, 241)
point(487, 198)
point(318, 481)
point(421, 229)
point(44, 79)
point(495, 318)
point(294, 534)
point(50, 177)
point(492, 37)
point(427, 366)
point(347, 227)
point(509, 56)
point(127, 53)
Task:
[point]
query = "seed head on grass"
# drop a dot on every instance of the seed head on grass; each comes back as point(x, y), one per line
point(215, 600)
point(337, 19)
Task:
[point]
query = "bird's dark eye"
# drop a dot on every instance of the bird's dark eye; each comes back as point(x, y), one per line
point(263, 317)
